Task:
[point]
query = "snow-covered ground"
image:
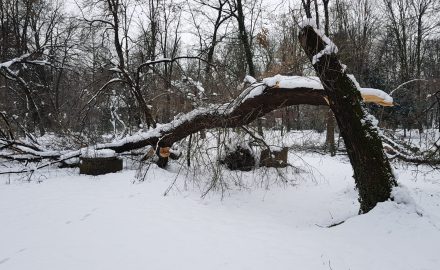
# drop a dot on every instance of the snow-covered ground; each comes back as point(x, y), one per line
point(424, 141)
point(69, 221)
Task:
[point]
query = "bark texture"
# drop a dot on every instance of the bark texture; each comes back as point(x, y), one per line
point(330, 135)
point(372, 171)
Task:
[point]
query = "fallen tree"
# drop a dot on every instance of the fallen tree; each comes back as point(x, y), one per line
point(255, 101)
point(372, 172)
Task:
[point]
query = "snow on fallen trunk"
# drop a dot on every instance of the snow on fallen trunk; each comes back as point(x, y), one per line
point(96, 153)
point(372, 95)
point(376, 96)
point(255, 101)
point(255, 91)
point(369, 95)
point(291, 82)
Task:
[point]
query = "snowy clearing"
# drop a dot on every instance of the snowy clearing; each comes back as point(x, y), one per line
point(70, 221)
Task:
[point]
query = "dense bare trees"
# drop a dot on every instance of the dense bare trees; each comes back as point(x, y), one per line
point(108, 45)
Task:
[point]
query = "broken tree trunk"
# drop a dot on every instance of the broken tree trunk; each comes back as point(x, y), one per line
point(258, 99)
point(372, 171)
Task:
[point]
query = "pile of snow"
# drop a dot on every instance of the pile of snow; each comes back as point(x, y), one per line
point(291, 82)
point(94, 153)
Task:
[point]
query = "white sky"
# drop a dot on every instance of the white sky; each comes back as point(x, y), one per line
point(271, 8)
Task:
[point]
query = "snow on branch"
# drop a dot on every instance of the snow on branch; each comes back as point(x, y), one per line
point(9, 63)
point(23, 59)
point(167, 60)
point(249, 79)
point(405, 83)
point(292, 82)
point(369, 95)
point(376, 96)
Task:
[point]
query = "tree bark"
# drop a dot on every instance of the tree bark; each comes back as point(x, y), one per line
point(372, 171)
point(330, 134)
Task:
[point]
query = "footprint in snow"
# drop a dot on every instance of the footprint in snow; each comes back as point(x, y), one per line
point(4, 260)
point(85, 216)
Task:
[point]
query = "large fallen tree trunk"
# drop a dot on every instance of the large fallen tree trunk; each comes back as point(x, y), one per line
point(372, 171)
point(258, 99)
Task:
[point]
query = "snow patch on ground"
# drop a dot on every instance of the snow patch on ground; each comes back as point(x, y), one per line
point(71, 221)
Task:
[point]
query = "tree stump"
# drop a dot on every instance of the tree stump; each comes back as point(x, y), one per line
point(276, 158)
point(98, 166)
point(239, 159)
point(99, 162)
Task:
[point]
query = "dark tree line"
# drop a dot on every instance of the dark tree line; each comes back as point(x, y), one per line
point(99, 53)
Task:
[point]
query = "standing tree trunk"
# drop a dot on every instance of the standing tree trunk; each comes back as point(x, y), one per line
point(245, 38)
point(330, 134)
point(248, 52)
point(372, 171)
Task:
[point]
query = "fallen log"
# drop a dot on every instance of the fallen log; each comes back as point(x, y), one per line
point(255, 101)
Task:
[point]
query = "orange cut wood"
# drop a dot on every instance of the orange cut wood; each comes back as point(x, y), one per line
point(377, 100)
point(164, 152)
